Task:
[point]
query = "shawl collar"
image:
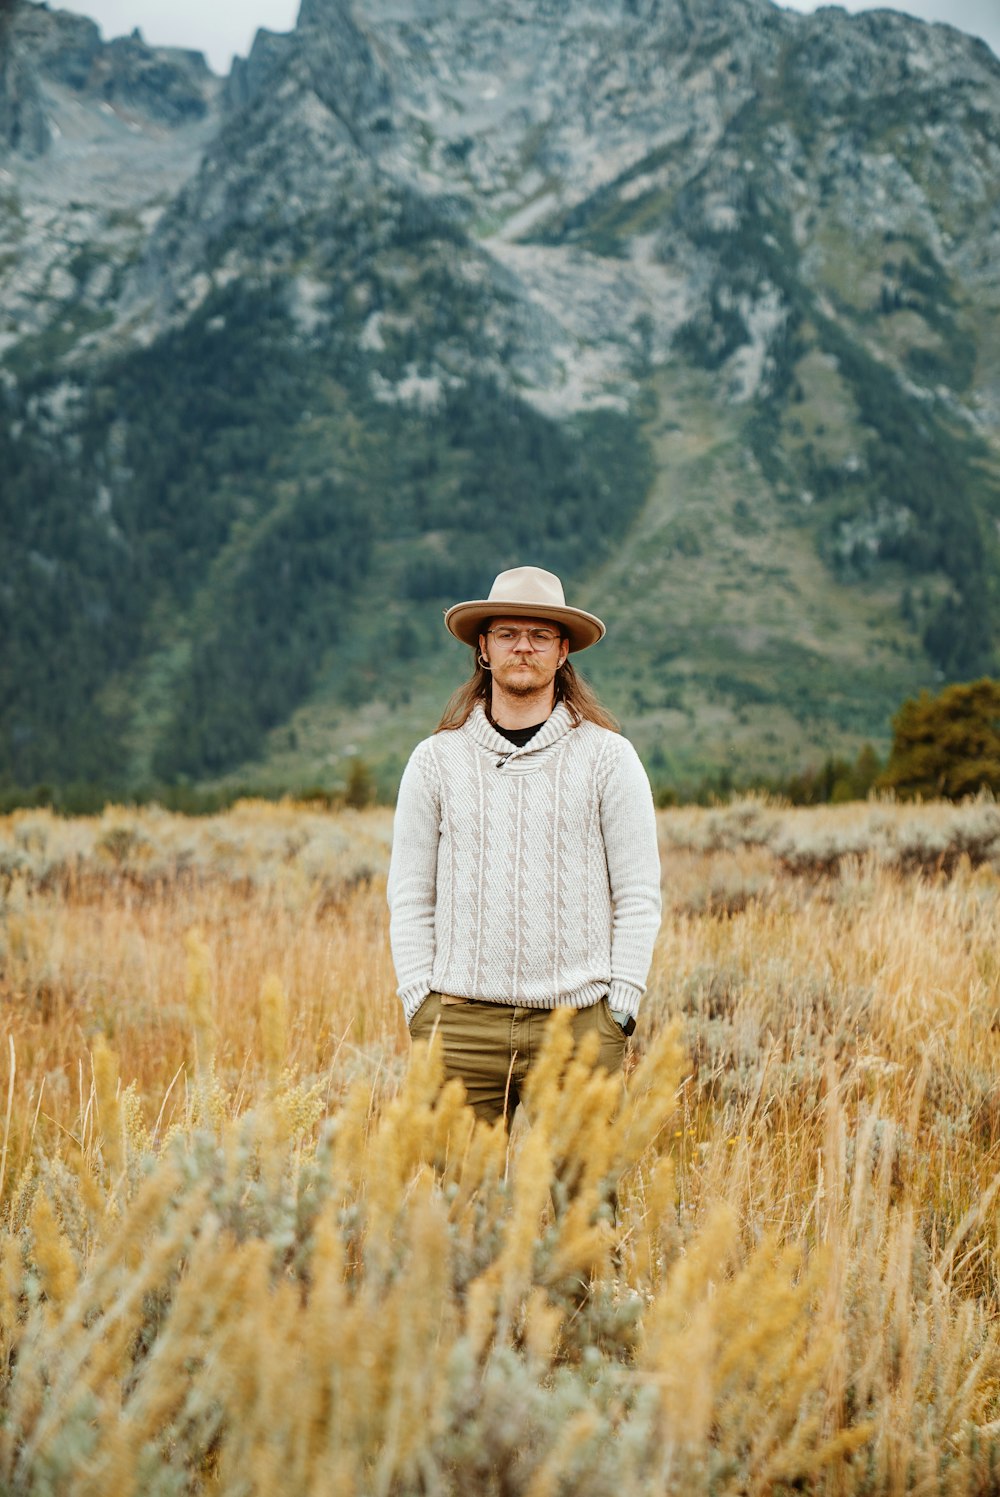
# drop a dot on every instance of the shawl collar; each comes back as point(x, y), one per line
point(481, 730)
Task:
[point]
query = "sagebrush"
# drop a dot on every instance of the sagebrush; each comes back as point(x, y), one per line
point(249, 1246)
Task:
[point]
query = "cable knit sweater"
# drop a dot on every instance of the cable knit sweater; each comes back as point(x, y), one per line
point(524, 875)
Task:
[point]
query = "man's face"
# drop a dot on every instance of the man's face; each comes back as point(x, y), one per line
point(524, 663)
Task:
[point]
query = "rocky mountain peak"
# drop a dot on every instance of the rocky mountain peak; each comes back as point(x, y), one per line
point(100, 137)
point(324, 13)
point(170, 85)
point(697, 300)
point(344, 70)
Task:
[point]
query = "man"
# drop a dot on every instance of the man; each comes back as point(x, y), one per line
point(524, 874)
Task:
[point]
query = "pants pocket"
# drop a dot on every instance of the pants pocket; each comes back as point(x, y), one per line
point(422, 1024)
point(608, 1024)
point(611, 1036)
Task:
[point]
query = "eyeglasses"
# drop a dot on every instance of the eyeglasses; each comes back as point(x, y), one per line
point(538, 639)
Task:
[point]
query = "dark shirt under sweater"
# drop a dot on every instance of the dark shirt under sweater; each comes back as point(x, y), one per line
point(518, 736)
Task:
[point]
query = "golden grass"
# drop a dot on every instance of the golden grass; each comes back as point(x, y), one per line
point(247, 1247)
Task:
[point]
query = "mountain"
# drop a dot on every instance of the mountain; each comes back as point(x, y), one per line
point(694, 304)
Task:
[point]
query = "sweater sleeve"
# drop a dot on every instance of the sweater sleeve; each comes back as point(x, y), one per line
point(628, 825)
point(413, 879)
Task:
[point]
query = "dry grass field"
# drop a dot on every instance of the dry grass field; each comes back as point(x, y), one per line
point(246, 1247)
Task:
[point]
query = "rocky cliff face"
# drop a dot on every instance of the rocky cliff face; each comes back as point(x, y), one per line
point(22, 118)
point(165, 84)
point(591, 151)
point(760, 245)
point(99, 138)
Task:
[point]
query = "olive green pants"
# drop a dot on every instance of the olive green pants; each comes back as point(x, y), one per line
point(491, 1047)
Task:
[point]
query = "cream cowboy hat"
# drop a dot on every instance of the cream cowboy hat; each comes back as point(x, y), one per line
point(530, 593)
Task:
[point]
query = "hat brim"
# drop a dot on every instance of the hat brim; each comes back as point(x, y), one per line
point(466, 620)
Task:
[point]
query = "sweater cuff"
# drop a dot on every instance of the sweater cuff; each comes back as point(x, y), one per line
point(624, 998)
point(413, 997)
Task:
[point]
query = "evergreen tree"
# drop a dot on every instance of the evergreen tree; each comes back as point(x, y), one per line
point(946, 745)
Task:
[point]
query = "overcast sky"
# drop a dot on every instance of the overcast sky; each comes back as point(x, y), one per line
point(220, 28)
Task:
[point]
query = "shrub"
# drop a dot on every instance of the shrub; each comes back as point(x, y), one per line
point(360, 789)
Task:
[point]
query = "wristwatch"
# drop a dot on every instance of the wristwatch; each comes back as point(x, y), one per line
point(625, 1022)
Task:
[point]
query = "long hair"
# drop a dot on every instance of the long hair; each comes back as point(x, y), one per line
point(572, 689)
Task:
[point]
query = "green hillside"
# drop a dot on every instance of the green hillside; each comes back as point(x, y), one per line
point(283, 544)
point(278, 533)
